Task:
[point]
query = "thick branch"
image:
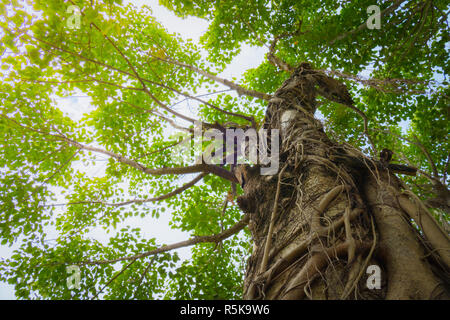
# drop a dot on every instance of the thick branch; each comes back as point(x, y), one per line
point(201, 239)
point(279, 63)
point(203, 167)
point(271, 54)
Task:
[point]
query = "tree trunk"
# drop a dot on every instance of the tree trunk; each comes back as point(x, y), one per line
point(333, 223)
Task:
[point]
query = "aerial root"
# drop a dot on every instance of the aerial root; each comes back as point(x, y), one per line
point(353, 275)
point(433, 232)
point(314, 265)
point(352, 284)
point(263, 280)
point(323, 205)
point(349, 238)
point(272, 223)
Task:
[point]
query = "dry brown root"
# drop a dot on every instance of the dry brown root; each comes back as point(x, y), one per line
point(352, 280)
point(268, 244)
point(438, 239)
point(314, 265)
point(257, 288)
point(297, 251)
point(348, 235)
point(409, 276)
point(323, 205)
point(353, 276)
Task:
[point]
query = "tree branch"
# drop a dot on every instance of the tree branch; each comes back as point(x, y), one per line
point(363, 26)
point(274, 59)
point(378, 84)
point(203, 167)
point(230, 84)
point(200, 239)
point(240, 90)
point(421, 147)
point(138, 201)
point(114, 278)
point(233, 114)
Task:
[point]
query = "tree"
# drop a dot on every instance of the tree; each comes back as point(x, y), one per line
point(358, 209)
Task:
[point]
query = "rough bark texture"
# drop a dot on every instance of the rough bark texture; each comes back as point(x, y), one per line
point(331, 212)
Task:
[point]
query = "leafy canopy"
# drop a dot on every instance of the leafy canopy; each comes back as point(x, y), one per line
point(135, 72)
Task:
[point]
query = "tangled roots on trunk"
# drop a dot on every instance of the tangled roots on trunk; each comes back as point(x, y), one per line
point(331, 213)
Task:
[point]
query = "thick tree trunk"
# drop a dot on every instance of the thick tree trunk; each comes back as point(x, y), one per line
point(331, 214)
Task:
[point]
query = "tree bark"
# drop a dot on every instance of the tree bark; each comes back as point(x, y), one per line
point(329, 219)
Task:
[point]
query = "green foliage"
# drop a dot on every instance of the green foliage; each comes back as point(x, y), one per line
point(212, 273)
point(116, 56)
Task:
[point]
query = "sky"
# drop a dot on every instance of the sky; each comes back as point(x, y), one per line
point(76, 105)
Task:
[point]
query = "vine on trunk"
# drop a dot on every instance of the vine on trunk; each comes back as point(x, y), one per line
point(335, 212)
